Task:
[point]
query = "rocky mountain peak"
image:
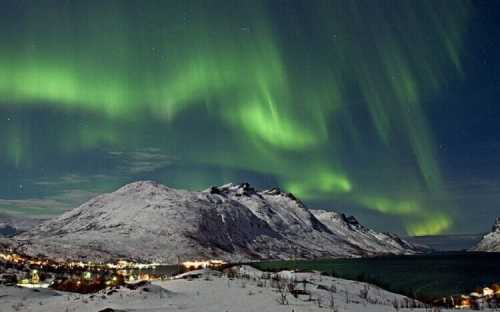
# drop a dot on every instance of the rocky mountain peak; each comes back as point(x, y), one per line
point(490, 241)
point(238, 189)
point(351, 220)
point(278, 192)
point(142, 186)
point(496, 226)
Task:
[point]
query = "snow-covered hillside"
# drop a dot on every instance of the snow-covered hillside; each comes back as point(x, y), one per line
point(491, 241)
point(151, 222)
point(367, 239)
point(216, 293)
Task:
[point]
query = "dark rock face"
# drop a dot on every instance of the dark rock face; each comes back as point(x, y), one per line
point(496, 226)
point(351, 220)
point(12, 225)
point(7, 230)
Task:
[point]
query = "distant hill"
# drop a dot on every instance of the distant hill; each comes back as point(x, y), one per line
point(12, 225)
point(149, 221)
point(491, 241)
point(454, 242)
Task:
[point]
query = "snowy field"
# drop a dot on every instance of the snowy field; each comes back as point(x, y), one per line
point(211, 293)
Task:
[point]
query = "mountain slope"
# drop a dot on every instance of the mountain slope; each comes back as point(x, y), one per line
point(151, 222)
point(366, 239)
point(491, 241)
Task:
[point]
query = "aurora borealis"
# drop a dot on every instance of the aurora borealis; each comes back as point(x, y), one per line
point(340, 102)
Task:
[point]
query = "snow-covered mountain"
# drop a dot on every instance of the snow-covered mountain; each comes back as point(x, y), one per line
point(151, 222)
point(367, 239)
point(491, 241)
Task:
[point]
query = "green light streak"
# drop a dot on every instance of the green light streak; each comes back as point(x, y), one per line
point(388, 206)
point(285, 95)
point(434, 224)
point(16, 146)
point(318, 184)
point(420, 220)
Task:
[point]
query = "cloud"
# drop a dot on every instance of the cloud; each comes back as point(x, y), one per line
point(142, 161)
point(69, 180)
point(46, 206)
point(70, 190)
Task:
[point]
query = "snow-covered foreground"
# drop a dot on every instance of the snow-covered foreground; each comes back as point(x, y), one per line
point(212, 293)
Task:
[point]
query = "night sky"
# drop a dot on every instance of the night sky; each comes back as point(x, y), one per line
point(387, 110)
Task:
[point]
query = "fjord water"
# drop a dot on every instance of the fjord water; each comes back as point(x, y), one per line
point(429, 276)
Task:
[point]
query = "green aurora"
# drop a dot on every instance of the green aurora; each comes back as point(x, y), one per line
point(329, 98)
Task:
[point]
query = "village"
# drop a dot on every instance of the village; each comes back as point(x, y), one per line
point(88, 277)
point(479, 299)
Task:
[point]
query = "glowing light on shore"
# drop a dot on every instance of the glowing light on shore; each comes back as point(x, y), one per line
point(203, 263)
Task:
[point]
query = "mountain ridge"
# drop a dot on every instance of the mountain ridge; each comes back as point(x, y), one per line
point(148, 221)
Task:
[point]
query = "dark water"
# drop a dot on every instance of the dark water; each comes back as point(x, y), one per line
point(424, 276)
